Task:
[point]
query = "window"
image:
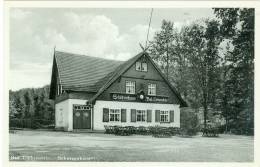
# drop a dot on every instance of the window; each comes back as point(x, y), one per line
point(144, 66)
point(114, 115)
point(151, 89)
point(61, 90)
point(58, 89)
point(138, 66)
point(164, 116)
point(130, 87)
point(141, 66)
point(140, 116)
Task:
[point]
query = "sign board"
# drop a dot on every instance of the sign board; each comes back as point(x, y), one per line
point(123, 97)
point(132, 97)
point(158, 99)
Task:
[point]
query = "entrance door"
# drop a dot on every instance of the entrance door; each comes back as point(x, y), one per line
point(81, 117)
point(86, 119)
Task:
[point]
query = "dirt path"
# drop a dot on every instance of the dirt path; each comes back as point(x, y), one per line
point(53, 146)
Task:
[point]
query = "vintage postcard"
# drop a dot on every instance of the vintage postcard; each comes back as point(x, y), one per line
point(121, 82)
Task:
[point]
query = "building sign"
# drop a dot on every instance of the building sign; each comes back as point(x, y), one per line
point(123, 97)
point(129, 97)
point(158, 99)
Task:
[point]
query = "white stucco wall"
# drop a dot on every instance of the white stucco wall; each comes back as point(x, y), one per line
point(98, 113)
point(64, 113)
point(61, 114)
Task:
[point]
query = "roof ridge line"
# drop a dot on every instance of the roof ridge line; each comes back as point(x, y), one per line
point(83, 55)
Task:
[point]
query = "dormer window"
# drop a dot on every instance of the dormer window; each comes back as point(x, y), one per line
point(141, 66)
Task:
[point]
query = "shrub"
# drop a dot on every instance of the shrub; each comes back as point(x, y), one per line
point(174, 130)
point(31, 123)
point(131, 129)
point(155, 131)
point(141, 130)
point(189, 123)
point(158, 131)
point(108, 129)
point(118, 130)
point(210, 131)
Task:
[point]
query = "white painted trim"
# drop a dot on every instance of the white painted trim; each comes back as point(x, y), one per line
point(145, 115)
point(119, 114)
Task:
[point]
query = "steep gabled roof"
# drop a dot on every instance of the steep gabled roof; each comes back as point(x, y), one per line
point(125, 66)
point(83, 73)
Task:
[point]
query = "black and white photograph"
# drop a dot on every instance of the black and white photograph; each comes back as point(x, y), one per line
point(149, 84)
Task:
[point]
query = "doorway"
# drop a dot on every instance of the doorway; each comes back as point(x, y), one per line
point(81, 117)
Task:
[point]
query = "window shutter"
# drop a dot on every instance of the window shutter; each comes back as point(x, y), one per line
point(149, 115)
point(157, 115)
point(171, 116)
point(133, 115)
point(105, 115)
point(123, 115)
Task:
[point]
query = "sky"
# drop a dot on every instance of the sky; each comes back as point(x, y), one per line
point(107, 33)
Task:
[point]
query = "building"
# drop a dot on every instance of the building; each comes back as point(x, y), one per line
point(91, 92)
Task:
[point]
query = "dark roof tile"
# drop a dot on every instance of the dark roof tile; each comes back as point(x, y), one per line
point(85, 73)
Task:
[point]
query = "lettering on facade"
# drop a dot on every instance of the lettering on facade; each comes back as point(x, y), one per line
point(156, 99)
point(128, 97)
point(124, 97)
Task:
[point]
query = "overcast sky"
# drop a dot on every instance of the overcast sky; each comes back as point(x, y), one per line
point(108, 33)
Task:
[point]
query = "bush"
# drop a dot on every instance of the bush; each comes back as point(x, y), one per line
point(118, 130)
point(155, 131)
point(210, 132)
point(174, 131)
point(31, 123)
point(161, 132)
point(189, 123)
point(141, 130)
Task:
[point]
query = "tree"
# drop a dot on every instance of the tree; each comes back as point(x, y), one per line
point(201, 42)
point(224, 94)
point(31, 103)
point(191, 58)
point(12, 106)
point(162, 46)
point(238, 26)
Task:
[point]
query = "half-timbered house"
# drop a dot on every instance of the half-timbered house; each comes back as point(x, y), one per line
point(91, 92)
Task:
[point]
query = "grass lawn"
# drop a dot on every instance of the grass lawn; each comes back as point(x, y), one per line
point(66, 146)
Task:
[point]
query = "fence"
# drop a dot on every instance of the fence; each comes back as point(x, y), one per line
point(31, 123)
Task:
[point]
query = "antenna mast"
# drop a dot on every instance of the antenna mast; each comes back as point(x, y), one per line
point(148, 28)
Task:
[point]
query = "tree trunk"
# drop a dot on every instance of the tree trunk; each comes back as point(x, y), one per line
point(226, 130)
point(205, 114)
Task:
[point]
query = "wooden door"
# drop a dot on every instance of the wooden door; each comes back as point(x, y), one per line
point(77, 119)
point(86, 119)
point(81, 118)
